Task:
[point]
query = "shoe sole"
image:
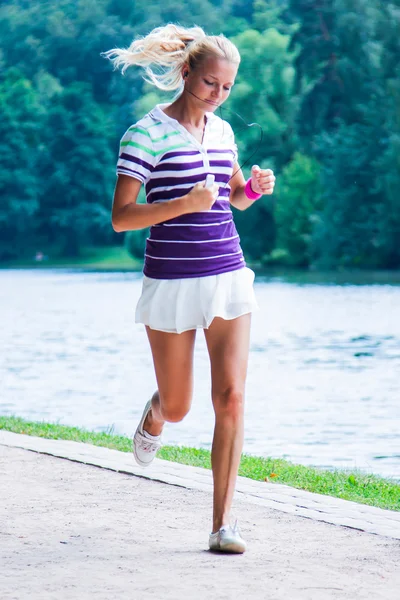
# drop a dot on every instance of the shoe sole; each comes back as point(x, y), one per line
point(230, 548)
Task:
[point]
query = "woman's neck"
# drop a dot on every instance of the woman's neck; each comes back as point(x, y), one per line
point(184, 110)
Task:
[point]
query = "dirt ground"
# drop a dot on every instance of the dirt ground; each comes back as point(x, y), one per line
point(72, 531)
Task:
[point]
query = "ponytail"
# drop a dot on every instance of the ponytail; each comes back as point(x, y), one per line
point(166, 49)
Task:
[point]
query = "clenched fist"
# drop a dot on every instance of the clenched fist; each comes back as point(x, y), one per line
point(262, 180)
point(201, 198)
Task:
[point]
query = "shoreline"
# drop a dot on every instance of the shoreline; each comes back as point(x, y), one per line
point(353, 485)
point(116, 259)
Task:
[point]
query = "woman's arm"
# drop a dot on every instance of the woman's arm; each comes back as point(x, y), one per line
point(127, 215)
point(262, 182)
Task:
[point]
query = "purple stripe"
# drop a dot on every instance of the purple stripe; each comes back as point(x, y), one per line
point(200, 218)
point(221, 163)
point(222, 178)
point(136, 160)
point(173, 182)
point(221, 204)
point(179, 153)
point(170, 269)
point(176, 193)
point(195, 234)
point(122, 171)
point(187, 250)
point(178, 166)
point(166, 194)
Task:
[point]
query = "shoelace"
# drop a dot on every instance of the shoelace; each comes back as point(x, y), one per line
point(235, 528)
point(148, 445)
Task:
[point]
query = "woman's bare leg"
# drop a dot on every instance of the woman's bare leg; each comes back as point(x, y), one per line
point(228, 347)
point(173, 364)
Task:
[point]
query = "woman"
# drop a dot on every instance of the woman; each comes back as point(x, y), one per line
point(194, 272)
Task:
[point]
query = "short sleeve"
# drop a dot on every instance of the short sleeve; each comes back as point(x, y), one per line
point(136, 154)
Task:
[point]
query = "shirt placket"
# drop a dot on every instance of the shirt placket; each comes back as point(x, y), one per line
point(200, 147)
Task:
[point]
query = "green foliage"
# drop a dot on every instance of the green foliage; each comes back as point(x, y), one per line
point(347, 234)
point(135, 242)
point(321, 78)
point(257, 229)
point(299, 202)
point(347, 121)
point(77, 170)
point(19, 161)
point(269, 14)
point(387, 161)
point(263, 95)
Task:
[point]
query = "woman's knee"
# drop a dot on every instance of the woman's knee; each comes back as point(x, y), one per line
point(173, 412)
point(229, 402)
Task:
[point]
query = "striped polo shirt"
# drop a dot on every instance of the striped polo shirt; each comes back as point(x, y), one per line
point(162, 154)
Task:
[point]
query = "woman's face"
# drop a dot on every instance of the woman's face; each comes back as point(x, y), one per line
point(211, 82)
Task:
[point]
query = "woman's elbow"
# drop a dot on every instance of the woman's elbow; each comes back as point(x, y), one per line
point(116, 224)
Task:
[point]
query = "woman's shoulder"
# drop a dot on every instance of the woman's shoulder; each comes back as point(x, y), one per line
point(221, 128)
point(217, 120)
point(142, 127)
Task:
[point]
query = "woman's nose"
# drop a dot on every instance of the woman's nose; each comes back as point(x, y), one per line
point(217, 92)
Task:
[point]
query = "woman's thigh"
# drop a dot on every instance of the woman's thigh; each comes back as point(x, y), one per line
point(173, 364)
point(228, 347)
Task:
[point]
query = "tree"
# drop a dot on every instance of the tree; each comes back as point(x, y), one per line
point(77, 171)
point(387, 162)
point(341, 123)
point(263, 95)
point(20, 126)
point(297, 209)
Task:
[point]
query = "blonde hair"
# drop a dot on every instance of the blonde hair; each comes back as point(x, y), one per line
point(167, 49)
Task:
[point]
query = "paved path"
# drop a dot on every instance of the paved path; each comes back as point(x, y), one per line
point(73, 531)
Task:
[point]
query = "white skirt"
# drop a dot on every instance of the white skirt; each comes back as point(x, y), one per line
point(177, 305)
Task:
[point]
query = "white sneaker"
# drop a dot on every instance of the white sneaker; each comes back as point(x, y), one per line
point(227, 539)
point(145, 445)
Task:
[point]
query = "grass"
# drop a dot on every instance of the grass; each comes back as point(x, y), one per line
point(108, 258)
point(355, 486)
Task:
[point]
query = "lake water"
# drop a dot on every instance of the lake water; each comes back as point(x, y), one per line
point(324, 373)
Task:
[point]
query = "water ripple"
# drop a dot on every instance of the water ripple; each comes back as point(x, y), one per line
point(323, 383)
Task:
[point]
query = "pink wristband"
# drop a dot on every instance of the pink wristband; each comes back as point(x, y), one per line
point(250, 193)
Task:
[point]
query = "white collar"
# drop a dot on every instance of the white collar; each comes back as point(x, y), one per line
point(158, 113)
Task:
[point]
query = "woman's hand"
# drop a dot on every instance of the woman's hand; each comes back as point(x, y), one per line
point(201, 198)
point(262, 180)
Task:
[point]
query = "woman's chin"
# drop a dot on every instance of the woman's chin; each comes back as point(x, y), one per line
point(211, 105)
